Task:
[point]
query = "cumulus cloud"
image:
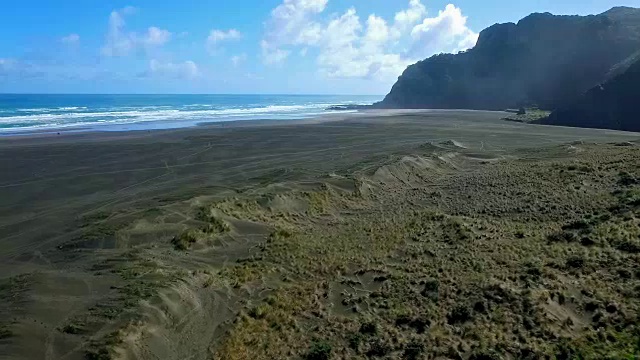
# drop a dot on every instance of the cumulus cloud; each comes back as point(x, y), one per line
point(446, 32)
point(347, 47)
point(71, 39)
point(406, 19)
point(290, 24)
point(156, 36)
point(183, 70)
point(120, 42)
point(351, 50)
point(217, 36)
point(272, 54)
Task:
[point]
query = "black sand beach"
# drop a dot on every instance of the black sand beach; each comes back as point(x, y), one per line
point(85, 216)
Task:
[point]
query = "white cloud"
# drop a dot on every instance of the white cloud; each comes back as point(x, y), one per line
point(71, 39)
point(405, 19)
point(238, 59)
point(377, 49)
point(156, 36)
point(217, 36)
point(378, 32)
point(129, 10)
point(290, 24)
point(273, 55)
point(348, 52)
point(120, 42)
point(311, 34)
point(469, 40)
point(187, 69)
point(446, 32)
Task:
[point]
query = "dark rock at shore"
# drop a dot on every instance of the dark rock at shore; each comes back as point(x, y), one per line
point(544, 60)
point(348, 107)
point(614, 104)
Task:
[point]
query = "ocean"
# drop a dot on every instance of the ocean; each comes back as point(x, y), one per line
point(44, 113)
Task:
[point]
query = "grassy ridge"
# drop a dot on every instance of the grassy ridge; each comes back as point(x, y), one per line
point(528, 258)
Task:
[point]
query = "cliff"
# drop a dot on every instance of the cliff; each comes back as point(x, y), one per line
point(611, 105)
point(543, 60)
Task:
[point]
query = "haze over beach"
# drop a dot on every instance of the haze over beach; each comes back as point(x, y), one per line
point(320, 180)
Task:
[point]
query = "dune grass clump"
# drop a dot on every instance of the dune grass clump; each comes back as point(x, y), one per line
point(279, 234)
point(73, 329)
point(455, 231)
point(186, 239)
point(319, 351)
point(318, 201)
point(214, 225)
point(413, 351)
point(259, 312)
point(103, 349)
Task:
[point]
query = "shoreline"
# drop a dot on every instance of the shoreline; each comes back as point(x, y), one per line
point(359, 118)
point(28, 114)
point(139, 127)
point(108, 130)
point(165, 126)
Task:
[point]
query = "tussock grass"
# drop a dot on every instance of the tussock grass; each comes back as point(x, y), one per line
point(501, 264)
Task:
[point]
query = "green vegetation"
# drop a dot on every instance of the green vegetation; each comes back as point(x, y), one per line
point(319, 351)
point(612, 105)
point(506, 266)
point(214, 225)
point(528, 115)
point(186, 239)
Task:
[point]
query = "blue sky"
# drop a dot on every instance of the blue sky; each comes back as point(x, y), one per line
point(241, 46)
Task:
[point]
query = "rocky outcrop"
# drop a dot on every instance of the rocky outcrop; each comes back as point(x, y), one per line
point(614, 104)
point(543, 60)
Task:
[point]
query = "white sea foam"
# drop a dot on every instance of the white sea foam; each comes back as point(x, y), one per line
point(44, 110)
point(65, 117)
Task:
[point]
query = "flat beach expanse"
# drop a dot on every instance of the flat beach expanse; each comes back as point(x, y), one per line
point(48, 179)
point(86, 217)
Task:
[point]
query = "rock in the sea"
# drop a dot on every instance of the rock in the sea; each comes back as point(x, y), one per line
point(347, 107)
